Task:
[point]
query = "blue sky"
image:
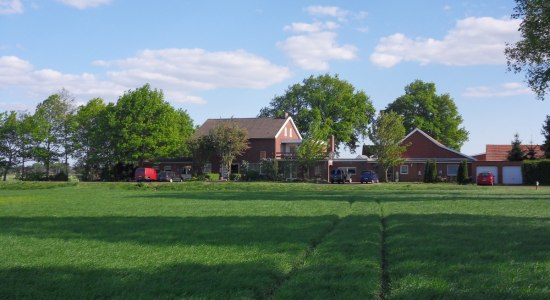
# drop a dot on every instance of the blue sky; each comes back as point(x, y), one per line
point(230, 58)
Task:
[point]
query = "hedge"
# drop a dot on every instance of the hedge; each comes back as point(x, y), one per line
point(536, 170)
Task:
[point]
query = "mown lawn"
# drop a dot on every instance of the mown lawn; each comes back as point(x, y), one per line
point(273, 241)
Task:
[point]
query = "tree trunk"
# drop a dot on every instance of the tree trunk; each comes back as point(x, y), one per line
point(386, 174)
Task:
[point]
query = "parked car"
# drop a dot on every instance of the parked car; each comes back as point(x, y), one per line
point(169, 176)
point(339, 176)
point(145, 174)
point(485, 178)
point(369, 177)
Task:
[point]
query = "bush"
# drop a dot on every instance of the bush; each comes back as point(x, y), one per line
point(536, 170)
point(235, 177)
point(430, 172)
point(462, 176)
point(252, 175)
point(213, 176)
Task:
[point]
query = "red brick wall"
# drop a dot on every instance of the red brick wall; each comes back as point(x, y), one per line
point(421, 147)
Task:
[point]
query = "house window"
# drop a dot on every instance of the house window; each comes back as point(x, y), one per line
point(167, 168)
point(317, 170)
point(291, 132)
point(452, 170)
point(351, 171)
point(207, 168)
point(263, 155)
point(286, 131)
point(404, 169)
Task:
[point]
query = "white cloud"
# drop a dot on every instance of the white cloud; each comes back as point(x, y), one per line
point(327, 11)
point(18, 73)
point(472, 41)
point(503, 90)
point(197, 69)
point(313, 51)
point(178, 72)
point(311, 27)
point(11, 7)
point(83, 4)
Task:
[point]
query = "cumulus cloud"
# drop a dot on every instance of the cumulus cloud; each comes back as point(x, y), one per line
point(503, 90)
point(313, 51)
point(178, 72)
point(11, 7)
point(327, 11)
point(83, 4)
point(472, 41)
point(197, 69)
point(311, 27)
point(18, 73)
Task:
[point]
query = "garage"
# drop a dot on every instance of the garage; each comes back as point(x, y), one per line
point(492, 169)
point(512, 175)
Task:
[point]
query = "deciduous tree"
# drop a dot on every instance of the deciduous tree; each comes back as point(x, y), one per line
point(228, 141)
point(386, 133)
point(334, 103)
point(437, 115)
point(313, 148)
point(532, 53)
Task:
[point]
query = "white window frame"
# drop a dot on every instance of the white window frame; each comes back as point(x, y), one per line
point(404, 169)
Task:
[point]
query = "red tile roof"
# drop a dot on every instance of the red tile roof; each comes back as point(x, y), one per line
point(500, 152)
point(257, 128)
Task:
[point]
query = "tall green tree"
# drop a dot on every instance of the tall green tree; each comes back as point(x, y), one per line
point(516, 154)
point(386, 133)
point(228, 141)
point(146, 127)
point(51, 130)
point(93, 142)
point(546, 133)
point(9, 141)
point(532, 53)
point(314, 147)
point(330, 101)
point(437, 115)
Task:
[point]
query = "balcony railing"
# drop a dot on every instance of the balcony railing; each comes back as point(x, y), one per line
point(286, 155)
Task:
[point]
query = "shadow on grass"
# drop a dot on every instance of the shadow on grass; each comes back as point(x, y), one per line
point(263, 231)
point(220, 281)
point(340, 195)
point(468, 257)
point(346, 265)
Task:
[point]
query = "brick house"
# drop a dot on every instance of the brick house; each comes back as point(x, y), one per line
point(495, 160)
point(268, 138)
point(420, 148)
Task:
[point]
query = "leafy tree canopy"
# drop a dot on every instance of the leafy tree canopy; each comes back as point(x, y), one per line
point(330, 101)
point(228, 141)
point(532, 53)
point(386, 133)
point(146, 126)
point(437, 115)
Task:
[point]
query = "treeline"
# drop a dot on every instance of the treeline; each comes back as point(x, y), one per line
point(105, 140)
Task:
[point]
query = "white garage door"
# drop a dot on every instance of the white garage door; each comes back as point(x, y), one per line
point(512, 175)
point(492, 169)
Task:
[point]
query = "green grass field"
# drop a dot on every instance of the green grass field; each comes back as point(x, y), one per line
point(273, 241)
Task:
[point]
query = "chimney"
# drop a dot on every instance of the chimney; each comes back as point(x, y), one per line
point(286, 115)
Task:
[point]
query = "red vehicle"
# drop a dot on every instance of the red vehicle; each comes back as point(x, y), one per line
point(485, 178)
point(146, 174)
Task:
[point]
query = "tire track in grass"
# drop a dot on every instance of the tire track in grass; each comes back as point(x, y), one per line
point(299, 264)
point(384, 264)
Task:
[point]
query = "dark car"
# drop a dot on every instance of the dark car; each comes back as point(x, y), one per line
point(169, 176)
point(485, 178)
point(369, 177)
point(339, 176)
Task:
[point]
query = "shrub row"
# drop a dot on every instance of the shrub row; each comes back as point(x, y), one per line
point(536, 170)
